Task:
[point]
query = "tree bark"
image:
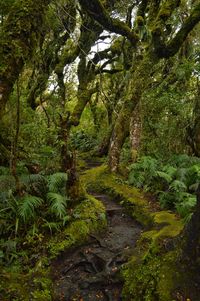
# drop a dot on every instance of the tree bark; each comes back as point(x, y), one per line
point(191, 249)
point(19, 35)
point(135, 132)
point(137, 85)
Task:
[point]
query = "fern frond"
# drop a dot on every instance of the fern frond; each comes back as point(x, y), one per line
point(165, 176)
point(32, 179)
point(57, 182)
point(36, 184)
point(182, 174)
point(27, 207)
point(52, 226)
point(170, 170)
point(185, 207)
point(178, 186)
point(58, 204)
point(8, 201)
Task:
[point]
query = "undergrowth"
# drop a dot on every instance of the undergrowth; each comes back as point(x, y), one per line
point(40, 209)
point(173, 182)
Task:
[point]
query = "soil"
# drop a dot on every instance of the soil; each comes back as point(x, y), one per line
point(91, 272)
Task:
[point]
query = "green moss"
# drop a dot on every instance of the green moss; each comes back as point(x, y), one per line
point(150, 280)
point(20, 285)
point(33, 285)
point(89, 217)
point(151, 272)
point(100, 179)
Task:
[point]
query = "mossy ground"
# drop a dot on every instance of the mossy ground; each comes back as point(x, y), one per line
point(151, 272)
point(19, 282)
point(149, 275)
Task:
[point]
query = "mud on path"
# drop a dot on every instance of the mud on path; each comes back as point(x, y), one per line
point(91, 272)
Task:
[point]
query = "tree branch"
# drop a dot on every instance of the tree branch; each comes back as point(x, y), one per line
point(109, 71)
point(181, 35)
point(97, 11)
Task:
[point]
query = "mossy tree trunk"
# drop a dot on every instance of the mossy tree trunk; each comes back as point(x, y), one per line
point(157, 43)
point(20, 34)
point(86, 76)
point(194, 131)
point(137, 85)
point(135, 132)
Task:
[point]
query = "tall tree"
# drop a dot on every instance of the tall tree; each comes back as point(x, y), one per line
point(156, 37)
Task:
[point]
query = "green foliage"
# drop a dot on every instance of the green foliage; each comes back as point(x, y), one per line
point(42, 208)
point(57, 182)
point(142, 173)
point(83, 141)
point(27, 207)
point(58, 204)
point(173, 184)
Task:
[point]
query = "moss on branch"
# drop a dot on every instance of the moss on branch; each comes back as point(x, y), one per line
point(175, 44)
point(98, 12)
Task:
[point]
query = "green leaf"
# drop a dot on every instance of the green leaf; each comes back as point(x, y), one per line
point(184, 208)
point(164, 175)
point(178, 186)
point(57, 182)
point(58, 204)
point(27, 207)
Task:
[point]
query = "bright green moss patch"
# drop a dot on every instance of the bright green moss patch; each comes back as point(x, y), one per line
point(150, 275)
point(89, 216)
point(150, 280)
point(99, 179)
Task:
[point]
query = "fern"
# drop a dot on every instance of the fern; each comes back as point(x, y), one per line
point(178, 186)
point(52, 226)
point(57, 182)
point(181, 174)
point(58, 204)
point(165, 176)
point(4, 171)
point(35, 184)
point(27, 207)
point(166, 199)
point(170, 170)
point(142, 173)
point(136, 179)
point(185, 207)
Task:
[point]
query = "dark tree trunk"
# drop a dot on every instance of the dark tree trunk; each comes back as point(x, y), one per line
point(193, 134)
point(191, 250)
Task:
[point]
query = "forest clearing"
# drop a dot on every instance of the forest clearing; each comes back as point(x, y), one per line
point(100, 150)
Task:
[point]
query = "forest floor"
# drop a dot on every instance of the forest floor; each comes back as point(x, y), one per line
point(92, 271)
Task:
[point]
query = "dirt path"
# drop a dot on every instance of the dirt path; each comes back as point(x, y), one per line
point(91, 272)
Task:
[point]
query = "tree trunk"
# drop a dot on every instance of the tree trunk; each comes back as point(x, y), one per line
point(135, 132)
point(14, 152)
point(20, 34)
point(191, 250)
point(137, 85)
point(193, 137)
